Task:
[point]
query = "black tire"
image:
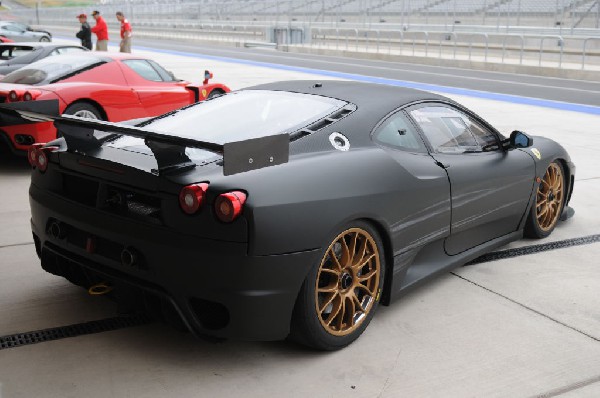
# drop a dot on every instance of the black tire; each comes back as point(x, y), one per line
point(83, 108)
point(548, 204)
point(44, 39)
point(215, 93)
point(316, 327)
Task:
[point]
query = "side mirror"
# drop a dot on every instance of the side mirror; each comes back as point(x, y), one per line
point(207, 76)
point(519, 139)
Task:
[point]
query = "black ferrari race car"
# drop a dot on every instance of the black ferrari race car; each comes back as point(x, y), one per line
point(289, 209)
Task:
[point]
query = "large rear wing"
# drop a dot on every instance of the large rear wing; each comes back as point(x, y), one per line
point(87, 135)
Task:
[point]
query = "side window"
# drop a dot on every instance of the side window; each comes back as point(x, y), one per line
point(451, 131)
point(19, 51)
point(5, 53)
point(164, 74)
point(19, 26)
point(144, 69)
point(482, 134)
point(398, 132)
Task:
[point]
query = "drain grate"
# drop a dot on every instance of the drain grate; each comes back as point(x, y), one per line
point(523, 251)
point(79, 329)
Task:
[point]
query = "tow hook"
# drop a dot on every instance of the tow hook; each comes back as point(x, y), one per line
point(99, 289)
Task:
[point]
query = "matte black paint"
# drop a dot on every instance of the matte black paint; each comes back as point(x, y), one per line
point(434, 213)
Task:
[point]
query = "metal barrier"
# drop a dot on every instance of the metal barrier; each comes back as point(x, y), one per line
point(584, 53)
point(564, 15)
point(529, 49)
point(457, 43)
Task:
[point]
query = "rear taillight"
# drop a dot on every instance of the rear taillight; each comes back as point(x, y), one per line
point(192, 196)
point(32, 154)
point(14, 96)
point(31, 95)
point(228, 206)
point(38, 156)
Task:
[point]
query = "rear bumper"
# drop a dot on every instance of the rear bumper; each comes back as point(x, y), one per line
point(214, 287)
point(21, 136)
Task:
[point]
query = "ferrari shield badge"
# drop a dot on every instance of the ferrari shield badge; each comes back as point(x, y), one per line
point(204, 93)
point(536, 153)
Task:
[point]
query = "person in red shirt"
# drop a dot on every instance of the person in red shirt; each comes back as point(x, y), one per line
point(125, 46)
point(101, 31)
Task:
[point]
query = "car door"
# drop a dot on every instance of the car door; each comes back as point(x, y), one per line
point(490, 186)
point(423, 213)
point(158, 91)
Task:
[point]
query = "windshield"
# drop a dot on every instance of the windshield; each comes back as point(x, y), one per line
point(245, 114)
point(50, 69)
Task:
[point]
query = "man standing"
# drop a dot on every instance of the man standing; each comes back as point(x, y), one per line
point(101, 31)
point(85, 33)
point(125, 46)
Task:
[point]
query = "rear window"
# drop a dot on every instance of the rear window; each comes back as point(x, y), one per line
point(246, 114)
point(51, 69)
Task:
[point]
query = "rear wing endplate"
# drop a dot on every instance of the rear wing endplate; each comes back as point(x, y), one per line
point(84, 135)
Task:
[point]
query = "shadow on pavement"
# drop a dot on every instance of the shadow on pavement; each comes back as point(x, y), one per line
point(12, 164)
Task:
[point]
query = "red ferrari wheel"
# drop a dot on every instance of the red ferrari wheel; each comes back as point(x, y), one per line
point(85, 110)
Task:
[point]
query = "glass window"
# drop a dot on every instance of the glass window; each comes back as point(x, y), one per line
point(451, 131)
point(51, 69)
point(19, 26)
point(398, 132)
point(164, 74)
point(12, 28)
point(482, 134)
point(257, 113)
point(8, 52)
point(144, 69)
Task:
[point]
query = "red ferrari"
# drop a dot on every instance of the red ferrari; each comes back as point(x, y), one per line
point(113, 87)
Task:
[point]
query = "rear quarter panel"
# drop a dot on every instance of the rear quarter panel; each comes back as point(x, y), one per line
point(299, 205)
point(104, 85)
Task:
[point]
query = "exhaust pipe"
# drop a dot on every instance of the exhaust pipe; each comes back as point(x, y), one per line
point(129, 257)
point(57, 231)
point(99, 289)
point(24, 139)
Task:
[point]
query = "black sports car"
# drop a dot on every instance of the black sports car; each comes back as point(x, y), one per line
point(287, 209)
point(16, 55)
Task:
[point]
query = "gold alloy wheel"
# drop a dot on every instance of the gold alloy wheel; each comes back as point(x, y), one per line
point(347, 282)
point(550, 196)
